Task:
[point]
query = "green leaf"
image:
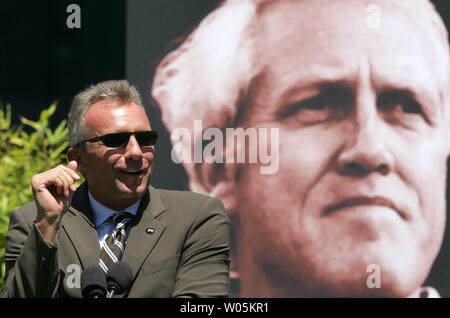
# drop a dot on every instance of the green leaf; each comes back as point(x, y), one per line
point(46, 113)
point(36, 125)
point(55, 154)
point(22, 155)
point(5, 117)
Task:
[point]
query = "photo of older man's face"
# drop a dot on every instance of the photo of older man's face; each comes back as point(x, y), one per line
point(363, 151)
point(363, 117)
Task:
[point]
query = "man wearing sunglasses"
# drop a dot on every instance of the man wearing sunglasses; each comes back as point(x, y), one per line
point(176, 243)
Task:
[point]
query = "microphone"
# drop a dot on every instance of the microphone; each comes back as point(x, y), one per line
point(119, 278)
point(93, 283)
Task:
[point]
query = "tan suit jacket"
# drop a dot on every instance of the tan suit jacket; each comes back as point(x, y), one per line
point(184, 254)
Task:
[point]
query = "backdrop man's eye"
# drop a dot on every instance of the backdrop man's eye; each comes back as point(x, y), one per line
point(400, 108)
point(330, 104)
point(312, 111)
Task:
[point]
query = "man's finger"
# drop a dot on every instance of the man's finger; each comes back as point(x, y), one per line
point(63, 183)
point(69, 184)
point(71, 169)
point(73, 165)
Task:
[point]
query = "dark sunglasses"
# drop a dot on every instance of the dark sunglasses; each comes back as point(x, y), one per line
point(121, 139)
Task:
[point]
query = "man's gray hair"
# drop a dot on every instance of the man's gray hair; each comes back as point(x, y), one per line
point(119, 90)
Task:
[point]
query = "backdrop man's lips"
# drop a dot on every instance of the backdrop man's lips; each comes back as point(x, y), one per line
point(363, 200)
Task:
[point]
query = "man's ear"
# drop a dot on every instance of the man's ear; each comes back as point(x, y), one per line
point(217, 180)
point(75, 154)
point(220, 180)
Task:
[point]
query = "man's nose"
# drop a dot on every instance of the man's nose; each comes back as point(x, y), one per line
point(366, 148)
point(133, 149)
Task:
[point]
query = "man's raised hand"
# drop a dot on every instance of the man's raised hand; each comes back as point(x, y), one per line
point(53, 190)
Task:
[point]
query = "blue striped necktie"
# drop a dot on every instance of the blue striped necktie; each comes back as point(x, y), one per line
point(114, 244)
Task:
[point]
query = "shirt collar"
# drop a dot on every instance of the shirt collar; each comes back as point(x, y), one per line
point(102, 213)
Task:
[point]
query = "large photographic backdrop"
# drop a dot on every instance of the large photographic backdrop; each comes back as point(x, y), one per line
point(155, 28)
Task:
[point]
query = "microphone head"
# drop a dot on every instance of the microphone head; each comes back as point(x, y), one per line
point(119, 277)
point(93, 283)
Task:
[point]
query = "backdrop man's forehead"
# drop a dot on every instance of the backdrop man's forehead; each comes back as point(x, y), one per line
point(321, 48)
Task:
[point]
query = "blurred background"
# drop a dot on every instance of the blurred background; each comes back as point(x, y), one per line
point(42, 61)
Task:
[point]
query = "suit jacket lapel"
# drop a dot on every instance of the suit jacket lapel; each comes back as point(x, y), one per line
point(146, 232)
point(78, 223)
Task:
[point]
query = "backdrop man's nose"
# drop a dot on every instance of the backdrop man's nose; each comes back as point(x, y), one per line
point(366, 147)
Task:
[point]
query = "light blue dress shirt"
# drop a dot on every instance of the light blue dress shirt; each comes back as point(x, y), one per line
point(102, 213)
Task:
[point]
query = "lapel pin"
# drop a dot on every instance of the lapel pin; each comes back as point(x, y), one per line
point(150, 230)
